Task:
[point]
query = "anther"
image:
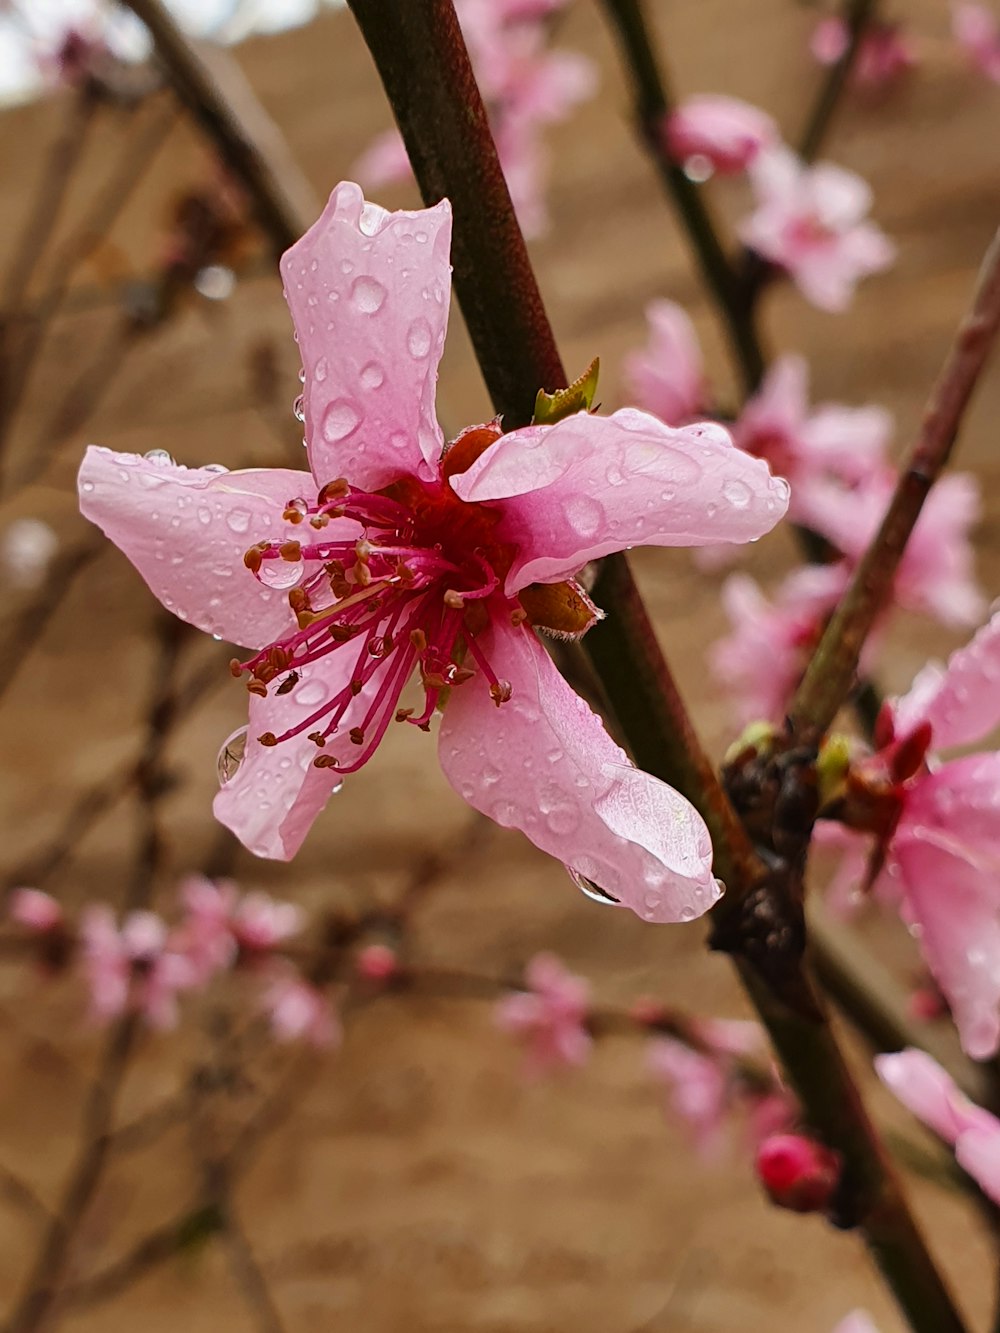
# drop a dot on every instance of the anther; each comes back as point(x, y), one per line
point(333, 490)
point(317, 738)
point(236, 667)
point(454, 599)
point(356, 687)
point(518, 616)
point(290, 551)
point(501, 692)
point(403, 713)
point(253, 559)
point(417, 637)
point(357, 736)
point(268, 738)
point(257, 687)
point(324, 761)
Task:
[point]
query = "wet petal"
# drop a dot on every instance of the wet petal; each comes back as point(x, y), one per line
point(924, 1088)
point(960, 802)
point(186, 531)
point(543, 763)
point(591, 485)
point(953, 905)
point(276, 793)
point(368, 291)
point(962, 700)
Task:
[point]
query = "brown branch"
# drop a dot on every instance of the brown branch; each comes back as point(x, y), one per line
point(831, 672)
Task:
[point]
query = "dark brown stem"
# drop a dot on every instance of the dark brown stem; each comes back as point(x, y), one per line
point(857, 14)
point(831, 672)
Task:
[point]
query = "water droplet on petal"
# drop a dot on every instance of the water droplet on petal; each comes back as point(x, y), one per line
point(310, 693)
point(238, 520)
point(282, 574)
point(340, 420)
point(231, 755)
point(419, 339)
point(215, 467)
point(738, 493)
point(372, 376)
point(368, 295)
point(590, 889)
point(584, 514)
point(159, 456)
point(320, 370)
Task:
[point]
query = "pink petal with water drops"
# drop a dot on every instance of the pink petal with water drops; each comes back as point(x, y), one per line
point(273, 796)
point(591, 485)
point(961, 701)
point(543, 763)
point(954, 907)
point(186, 531)
point(666, 377)
point(960, 803)
point(368, 291)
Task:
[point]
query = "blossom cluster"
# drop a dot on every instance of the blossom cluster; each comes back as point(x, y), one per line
point(141, 964)
point(526, 85)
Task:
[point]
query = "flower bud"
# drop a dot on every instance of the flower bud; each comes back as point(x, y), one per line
point(798, 1173)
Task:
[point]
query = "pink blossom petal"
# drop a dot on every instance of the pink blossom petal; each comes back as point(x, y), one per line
point(962, 700)
point(960, 803)
point(186, 531)
point(727, 132)
point(368, 291)
point(590, 485)
point(273, 798)
point(666, 376)
point(924, 1088)
point(954, 906)
point(978, 1153)
point(543, 763)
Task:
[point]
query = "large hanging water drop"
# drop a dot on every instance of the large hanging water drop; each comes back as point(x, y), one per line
point(232, 752)
point(592, 890)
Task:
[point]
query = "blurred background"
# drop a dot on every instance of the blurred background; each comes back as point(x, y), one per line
point(411, 1179)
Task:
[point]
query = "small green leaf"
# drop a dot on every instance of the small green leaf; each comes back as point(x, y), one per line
point(576, 397)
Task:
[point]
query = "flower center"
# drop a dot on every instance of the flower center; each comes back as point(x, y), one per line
point(396, 580)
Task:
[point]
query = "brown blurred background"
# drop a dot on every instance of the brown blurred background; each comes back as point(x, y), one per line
point(412, 1180)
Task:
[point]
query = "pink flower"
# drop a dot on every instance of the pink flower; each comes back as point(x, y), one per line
point(884, 52)
point(525, 85)
point(940, 859)
point(798, 1172)
point(205, 935)
point(260, 923)
point(300, 1012)
point(707, 1086)
point(429, 559)
point(377, 962)
point(762, 660)
point(810, 220)
point(925, 1089)
point(936, 574)
point(718, 134)
point(977, 32)
point(666, 377)
point(549, 1018)
point(131, 967)
point(35, 910)
point(800, 443)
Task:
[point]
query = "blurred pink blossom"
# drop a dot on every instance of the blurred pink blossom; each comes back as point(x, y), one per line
point(549, 1019)
point(858, 1321)
point(299, 1011)
point(798, 1172)
point(977, 32)
point(205, 935)
point(525, 85)
point(925, 1089)
point(35, 910)
point(400, 554)
point(666, 376)
point(811, 220)
point(884, 52)
point(131, 967)
point(260, 923)
point(936, 574)
point(708, 1087)
point(761, 660)
point(377, 962)
point(721, 132)
point(800, 443)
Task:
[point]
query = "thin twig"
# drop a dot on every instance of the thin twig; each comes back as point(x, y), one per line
point(856, 15)
point(212, 87)
point(832, 669)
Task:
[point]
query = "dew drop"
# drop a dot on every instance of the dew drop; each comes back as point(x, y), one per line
point(320, 370)
point(340, 420)
point(591, 890)
point(87, 486)
point(419, 339)
point(310, 693)
point(204, 515)
point(584, 514)
point(368, 295)
point(738, 493)
point(231, 755)
point(281, 574)
point(238, 520)
point(372, 376)
point(299, 409)
point(159, 456)
point(217, 468)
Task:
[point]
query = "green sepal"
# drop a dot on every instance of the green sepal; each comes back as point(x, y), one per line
point(576, 397)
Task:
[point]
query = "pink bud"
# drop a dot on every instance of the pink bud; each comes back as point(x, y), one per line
point(35, 910)
point(798, 1172)
point(376, 962)
point(724, 132)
